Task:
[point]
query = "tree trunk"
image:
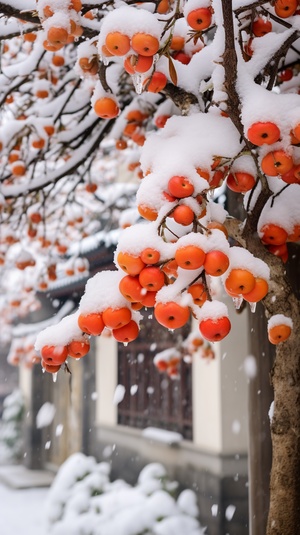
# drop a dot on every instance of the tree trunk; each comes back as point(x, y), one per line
point(284, 513)
point(260, 446)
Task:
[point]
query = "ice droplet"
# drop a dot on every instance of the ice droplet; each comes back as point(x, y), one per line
point(54, 377)
point(237, 301)
point(252, 307)
point(104, 60)
point(21, 29)
point(125, 344)
point(138, 82)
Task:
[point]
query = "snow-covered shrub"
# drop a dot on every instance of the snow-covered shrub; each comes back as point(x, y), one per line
point(83, 501)
point(11, 425)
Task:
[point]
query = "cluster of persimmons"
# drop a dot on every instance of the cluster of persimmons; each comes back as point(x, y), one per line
point(276, 163)
point(22, 351)
point(140, 51)
point(64, 32)
point(169, 361)
point(262, 25)
point(54, 356)
point(148, 272)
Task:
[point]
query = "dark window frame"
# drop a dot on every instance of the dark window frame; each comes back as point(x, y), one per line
point(159, 401)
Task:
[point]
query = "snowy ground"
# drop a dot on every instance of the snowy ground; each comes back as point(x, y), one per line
point(84, 501)
point(22, 511)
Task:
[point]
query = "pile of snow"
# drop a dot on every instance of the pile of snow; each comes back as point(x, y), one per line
point(83, 501)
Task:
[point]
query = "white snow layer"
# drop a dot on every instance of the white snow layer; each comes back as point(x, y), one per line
point(83, 501)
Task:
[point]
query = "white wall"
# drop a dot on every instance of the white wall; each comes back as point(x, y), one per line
point(220, 391)
point(207, 416)
point(234, 384)
point(25, 380)
point(106, 380)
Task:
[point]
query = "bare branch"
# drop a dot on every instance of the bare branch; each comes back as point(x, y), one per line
point(7, 10)
point(180, 97)
point(69, 168)
point(252, 5)
point(230, 67)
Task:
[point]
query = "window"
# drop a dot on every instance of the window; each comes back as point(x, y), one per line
point(152, 398)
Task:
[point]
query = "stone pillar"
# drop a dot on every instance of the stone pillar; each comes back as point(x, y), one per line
point(106, 380)
point(220, 392)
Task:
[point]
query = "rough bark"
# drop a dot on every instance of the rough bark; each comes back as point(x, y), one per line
point(230, 67)
point(284, 510)
point(284, 513)
point(260, 447)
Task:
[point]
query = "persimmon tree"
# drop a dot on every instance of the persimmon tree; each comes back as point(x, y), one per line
point(194, 96)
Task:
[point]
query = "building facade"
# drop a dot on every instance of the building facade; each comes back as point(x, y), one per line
point(116, 406)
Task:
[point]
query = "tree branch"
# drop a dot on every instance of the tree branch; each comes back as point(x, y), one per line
point(252, 5)
point(180, 97)
point(70, 167)
point(234, 228)
point(8, 10)
point(271, 68)
point(230, 67)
